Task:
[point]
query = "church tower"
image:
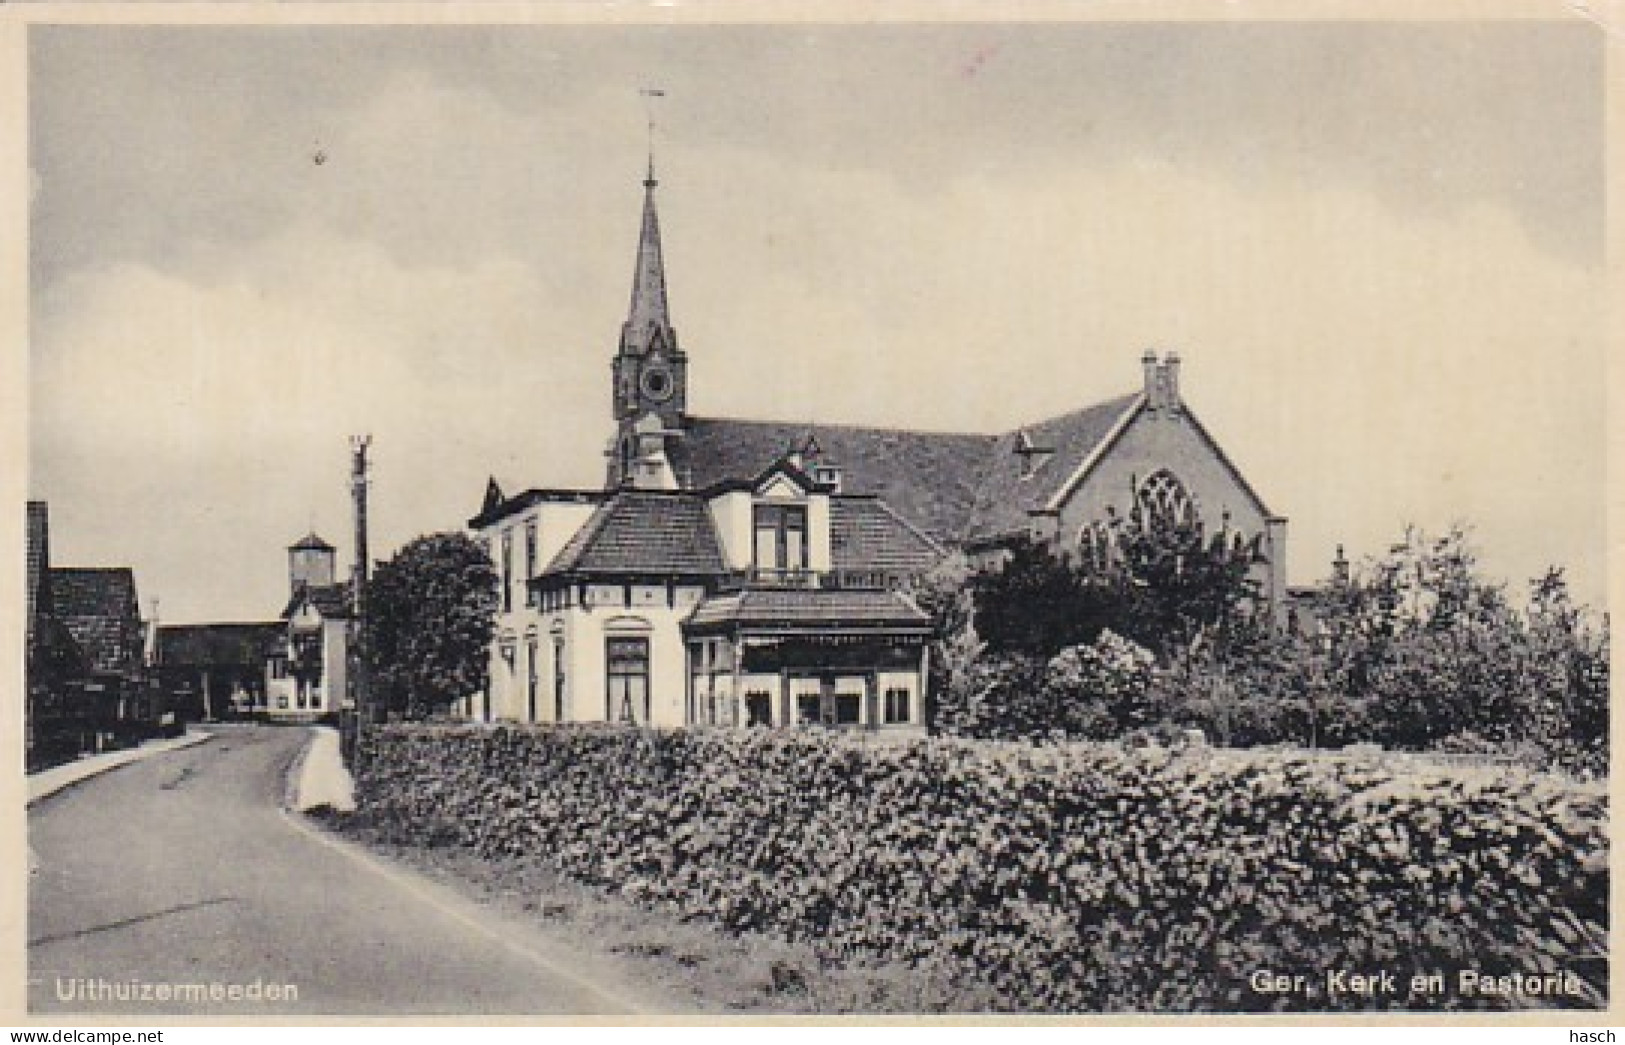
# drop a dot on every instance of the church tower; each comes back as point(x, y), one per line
point(650, 371)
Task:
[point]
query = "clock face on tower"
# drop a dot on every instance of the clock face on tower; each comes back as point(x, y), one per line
point(656, 383)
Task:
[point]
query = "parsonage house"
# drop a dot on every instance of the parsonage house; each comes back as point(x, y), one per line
point(751, 572)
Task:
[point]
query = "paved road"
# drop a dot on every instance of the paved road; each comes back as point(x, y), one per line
point(183, 869)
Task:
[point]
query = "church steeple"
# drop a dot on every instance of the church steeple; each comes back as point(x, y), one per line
point(650, 371)
point(648, 320)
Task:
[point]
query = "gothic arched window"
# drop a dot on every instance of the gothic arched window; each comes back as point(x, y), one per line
point(1095, 546)
point(1163, 501)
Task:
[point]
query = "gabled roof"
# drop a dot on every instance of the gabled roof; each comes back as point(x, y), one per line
point(217, 645)
point(1006, 497)
point(640, 532)
point(930, 478)
point(802, 609)
point(330, 600)
point(952, 486)
point(865, 534)
point(99, 607)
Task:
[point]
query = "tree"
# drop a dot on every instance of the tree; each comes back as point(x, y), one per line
point(430, 613)
point(944, 593)
point(1422, 652)
point(1164, 585)
point(1039, 603)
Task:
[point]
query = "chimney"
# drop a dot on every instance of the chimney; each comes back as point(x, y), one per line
point(1148, 363)
point(1170, 378)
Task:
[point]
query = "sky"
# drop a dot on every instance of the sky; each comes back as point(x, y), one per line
point(1377, 247)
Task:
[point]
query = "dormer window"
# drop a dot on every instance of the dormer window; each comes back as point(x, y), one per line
point(1032, 455)
point(827, 475)
point(780, 536)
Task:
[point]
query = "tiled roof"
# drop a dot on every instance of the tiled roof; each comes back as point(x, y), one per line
point(866, 534)
point(644, 532)
point(217, 645)
point(331, 601)
point(795, 609)
point(953, 486)
point(930, 478)
point(99, 607)
point(1005, 497)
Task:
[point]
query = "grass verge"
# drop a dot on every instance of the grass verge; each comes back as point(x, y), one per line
point(717, 973)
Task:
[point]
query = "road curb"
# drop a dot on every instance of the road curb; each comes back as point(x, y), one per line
point(52, 781)
point(296, 770)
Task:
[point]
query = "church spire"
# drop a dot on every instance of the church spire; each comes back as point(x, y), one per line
point(648, 321)
point(650, 372)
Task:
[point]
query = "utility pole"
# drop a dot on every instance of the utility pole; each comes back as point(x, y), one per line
point(360, 701)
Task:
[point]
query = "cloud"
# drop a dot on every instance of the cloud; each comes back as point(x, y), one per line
point(215, 314)
point(214, 415)
point(1365, 369)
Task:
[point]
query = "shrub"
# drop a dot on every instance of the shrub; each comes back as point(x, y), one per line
point(1075, 877)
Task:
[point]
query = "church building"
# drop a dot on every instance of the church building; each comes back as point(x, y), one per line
point(735, 572)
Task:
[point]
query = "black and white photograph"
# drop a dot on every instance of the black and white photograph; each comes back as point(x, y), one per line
point(623, 514)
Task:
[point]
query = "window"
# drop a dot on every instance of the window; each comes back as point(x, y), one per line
point(507, 571)
point(530, 548)
point(558, 680)
point(781, 537)
point(897, 702)
point(758, 708)
point(627, 662)
point(848, 709)
point(809, 709)
point(531, 679)
point(1095, 546)
point(1163, 501)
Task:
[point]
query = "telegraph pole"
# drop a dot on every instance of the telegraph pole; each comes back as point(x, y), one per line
point(360, 697)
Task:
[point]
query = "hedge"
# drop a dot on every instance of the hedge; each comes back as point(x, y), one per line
point(1075, 878)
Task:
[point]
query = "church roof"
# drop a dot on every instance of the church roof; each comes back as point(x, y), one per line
point(1007, 493)
point(951, 486)
point(930, 478)
point(798, 609)
point(98, 605)
point(217, 645)
point(644, 532)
